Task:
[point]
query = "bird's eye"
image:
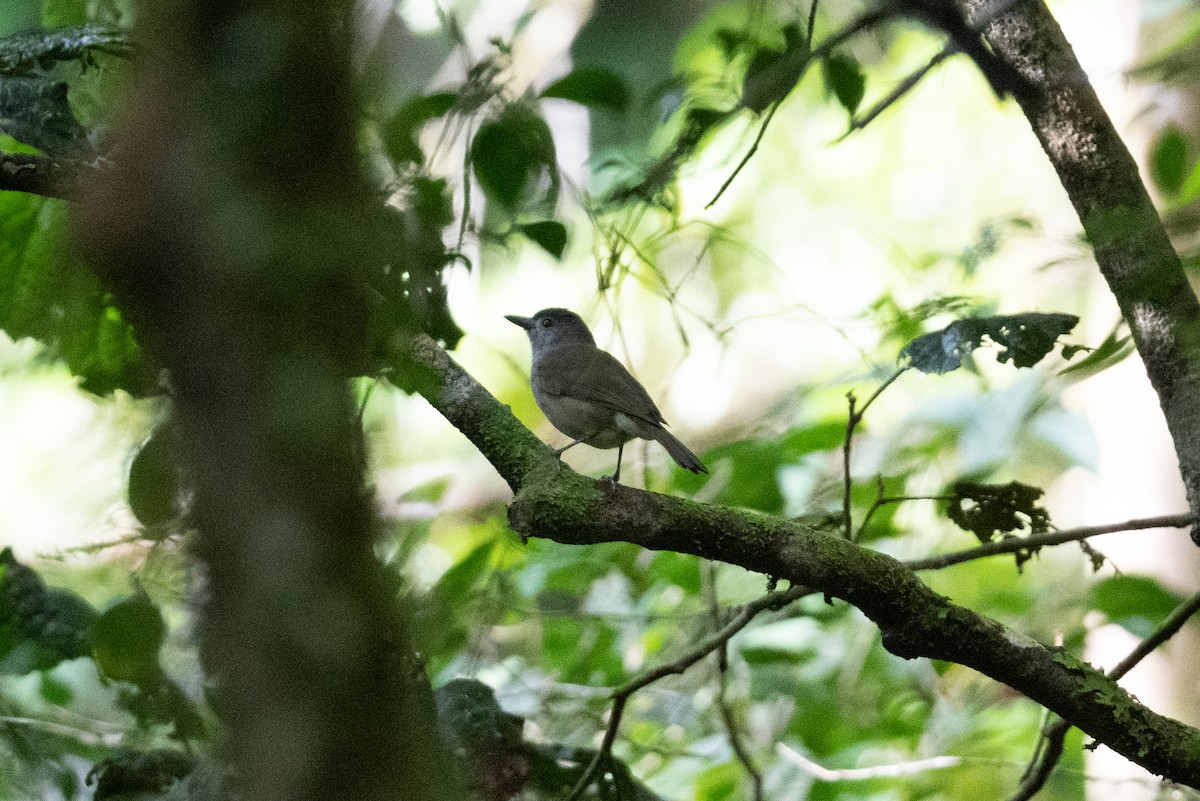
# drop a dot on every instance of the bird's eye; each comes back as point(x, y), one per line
point(547, 323)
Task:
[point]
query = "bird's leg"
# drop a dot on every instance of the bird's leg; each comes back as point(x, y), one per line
point(559, 451)
point(616, 473)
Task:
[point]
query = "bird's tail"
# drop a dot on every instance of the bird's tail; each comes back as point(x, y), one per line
point(679, 452)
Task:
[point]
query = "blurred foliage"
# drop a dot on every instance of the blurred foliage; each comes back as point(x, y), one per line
point(113, 695)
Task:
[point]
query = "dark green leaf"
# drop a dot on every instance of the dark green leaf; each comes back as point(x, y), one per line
point(845, 79)
point(158, 700)
point(990, 510)
point(39, 626)
point(34, 110)
point(1169, 160)
point(470, 719)
point(591, 86)
point(139, 774)
point(731, 41)
point(1136, 603)
point(1024, 338)
point(513, 158)
point(126, 639)
point(400, 133)
point(154, 491)
point(550, 234)
point(771, 76)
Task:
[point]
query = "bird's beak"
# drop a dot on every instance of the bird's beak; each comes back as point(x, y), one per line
point(524, 322)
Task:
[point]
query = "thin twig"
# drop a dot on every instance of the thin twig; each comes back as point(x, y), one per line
point(855, 417)
point(1015, 544)
point(745, 614)
point(809, 55)
point(901, 89)
point(1050, 743)
point(825, 774)
point(882, 500)
point(466, 209)
point(731, 728)
point(812, 21)
point(852, 419)
point(762, 130)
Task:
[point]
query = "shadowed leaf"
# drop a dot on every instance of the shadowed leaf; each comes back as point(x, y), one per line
point(591, 86)
point(1024, 340)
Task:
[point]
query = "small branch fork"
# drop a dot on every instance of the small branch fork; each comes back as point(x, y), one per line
point(1050, 744)
point(744, 615)
point(855, 417)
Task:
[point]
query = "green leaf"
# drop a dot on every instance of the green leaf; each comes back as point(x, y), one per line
point(1113, 350)
point(990, 510)
point(755, 464)
point(550, 234)
point(1169, 160)
point(401, 131)
point(154, 491)
point(46, 296)
point(126, 639)
point(1136, 603)
point(719, 782)
point(845, 79)
point(40, 626)
point(513, 158)
point(1024, 339)
point(591, 86)
point(771, 76)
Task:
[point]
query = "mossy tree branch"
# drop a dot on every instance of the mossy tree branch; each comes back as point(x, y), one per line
point(554, 502)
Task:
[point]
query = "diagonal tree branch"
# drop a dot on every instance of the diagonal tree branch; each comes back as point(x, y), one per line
point(1127, 236)
point(554, 502)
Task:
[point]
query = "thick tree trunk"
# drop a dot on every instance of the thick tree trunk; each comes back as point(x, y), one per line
point(230, 230)
point(1130, 244)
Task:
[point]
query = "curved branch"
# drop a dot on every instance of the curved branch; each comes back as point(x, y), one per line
point(1018, 544)
point(554, 502)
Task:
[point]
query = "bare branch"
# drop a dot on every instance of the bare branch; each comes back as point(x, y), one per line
point(1016, 544)
point(621, 695)
point(1054, 733)
point(901, 89)
point(897, 770)
point(853, 418)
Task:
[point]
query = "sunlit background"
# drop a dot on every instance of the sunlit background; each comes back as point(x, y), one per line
point(743, 319)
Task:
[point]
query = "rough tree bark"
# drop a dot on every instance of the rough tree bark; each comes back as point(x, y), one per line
point(553, 501)
point(1127, 236)
point(230, 230)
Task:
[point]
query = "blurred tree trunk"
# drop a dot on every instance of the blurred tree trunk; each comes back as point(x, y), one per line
point(231, 230)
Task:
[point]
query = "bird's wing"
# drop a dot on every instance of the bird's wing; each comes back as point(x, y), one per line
point(598, 377)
